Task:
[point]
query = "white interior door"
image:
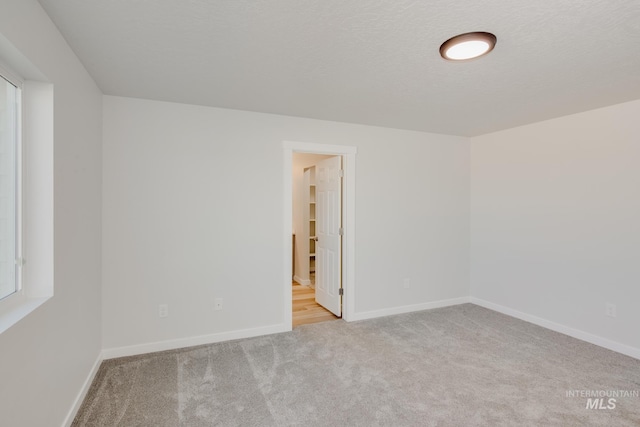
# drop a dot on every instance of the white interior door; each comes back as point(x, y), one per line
point(328, 232)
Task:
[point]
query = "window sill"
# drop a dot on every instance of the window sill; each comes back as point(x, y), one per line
point(15, 307)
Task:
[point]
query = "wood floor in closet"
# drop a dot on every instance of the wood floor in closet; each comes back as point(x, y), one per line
point(305, 308)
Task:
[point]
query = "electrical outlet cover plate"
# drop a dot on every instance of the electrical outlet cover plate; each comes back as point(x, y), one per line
point(610, 310)
point(163, 310)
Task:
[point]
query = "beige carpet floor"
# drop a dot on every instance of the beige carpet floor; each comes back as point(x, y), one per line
point(455, 366)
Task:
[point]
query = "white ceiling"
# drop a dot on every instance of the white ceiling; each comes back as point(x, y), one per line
point(373, 62)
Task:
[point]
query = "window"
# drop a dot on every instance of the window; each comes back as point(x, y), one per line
point(9, 187)
point(26, 187)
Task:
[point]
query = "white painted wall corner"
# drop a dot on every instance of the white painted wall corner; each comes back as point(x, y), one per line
point(77, 403)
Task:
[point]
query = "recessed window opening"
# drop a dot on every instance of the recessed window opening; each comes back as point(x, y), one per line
point(26, 187)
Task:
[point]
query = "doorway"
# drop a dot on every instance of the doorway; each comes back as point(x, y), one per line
point(317, 218)
point(344, 284)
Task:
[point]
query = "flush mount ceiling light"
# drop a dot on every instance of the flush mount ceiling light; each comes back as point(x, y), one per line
point(467, 46)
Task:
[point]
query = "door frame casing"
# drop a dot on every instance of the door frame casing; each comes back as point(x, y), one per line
point(348, 154)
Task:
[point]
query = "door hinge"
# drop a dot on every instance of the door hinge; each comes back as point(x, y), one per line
point(340, 231)
point(20, 262)
point(341, 173)
point(341, 291)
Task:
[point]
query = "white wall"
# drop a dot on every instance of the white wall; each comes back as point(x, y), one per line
point(555, 220)
point(193, 208)
point(46, 357)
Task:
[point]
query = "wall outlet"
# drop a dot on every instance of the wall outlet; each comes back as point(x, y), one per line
point(406, 283)
point(217, 305)
point(610, 310)
point(163, 310)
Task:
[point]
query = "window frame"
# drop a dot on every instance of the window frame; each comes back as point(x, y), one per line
point(18, 83)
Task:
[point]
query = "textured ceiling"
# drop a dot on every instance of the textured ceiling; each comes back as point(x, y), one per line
point(373, 62)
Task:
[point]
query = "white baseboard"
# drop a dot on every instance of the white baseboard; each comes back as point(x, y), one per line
point(83, 392)
point(302, 281)
point(575, 333)
point(151, 347)
point(407, 309)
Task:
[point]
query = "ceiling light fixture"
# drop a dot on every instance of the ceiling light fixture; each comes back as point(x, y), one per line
point(467, 46)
